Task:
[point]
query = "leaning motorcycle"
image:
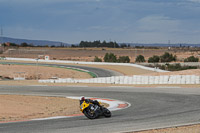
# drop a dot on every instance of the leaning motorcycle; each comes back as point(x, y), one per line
point(93, 111)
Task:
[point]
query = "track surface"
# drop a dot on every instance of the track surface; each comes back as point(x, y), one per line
point(151, 108)
point(98, 71)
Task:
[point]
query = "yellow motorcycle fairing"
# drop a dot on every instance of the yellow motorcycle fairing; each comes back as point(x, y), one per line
point(84, 105)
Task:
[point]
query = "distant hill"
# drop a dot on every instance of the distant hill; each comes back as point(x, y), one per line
point(162, 45)
point(33, 42)
point(57, 43)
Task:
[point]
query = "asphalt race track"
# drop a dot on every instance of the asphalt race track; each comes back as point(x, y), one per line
point(150, 108)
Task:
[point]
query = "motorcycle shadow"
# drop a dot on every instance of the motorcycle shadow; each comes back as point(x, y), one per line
point(99, 118)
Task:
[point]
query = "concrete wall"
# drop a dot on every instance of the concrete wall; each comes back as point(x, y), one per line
point(167, 79)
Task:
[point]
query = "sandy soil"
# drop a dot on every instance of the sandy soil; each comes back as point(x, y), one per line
point(31, 72)
point(126, 70)
point(184, 72)
point(16, 107)
point(182, 129)
point(88, 54)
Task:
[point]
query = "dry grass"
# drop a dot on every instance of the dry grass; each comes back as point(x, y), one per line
point(88, 54)
point(184, 72)
point(126, 70)
point(40, 72)
point(21, 107)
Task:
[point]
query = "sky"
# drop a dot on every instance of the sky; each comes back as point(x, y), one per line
point(123, 21)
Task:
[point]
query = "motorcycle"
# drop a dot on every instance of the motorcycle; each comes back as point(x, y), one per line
point(93, 111)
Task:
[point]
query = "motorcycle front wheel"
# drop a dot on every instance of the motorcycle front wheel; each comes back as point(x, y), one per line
point(106, 112)
point(90, 114)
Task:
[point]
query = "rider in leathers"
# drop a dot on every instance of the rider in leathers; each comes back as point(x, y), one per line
point(89, 101)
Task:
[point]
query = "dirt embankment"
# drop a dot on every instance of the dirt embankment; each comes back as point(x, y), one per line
point(17, 107)
point(184, 72)
point(39, 72)
point(181, 129)
point(21, 107)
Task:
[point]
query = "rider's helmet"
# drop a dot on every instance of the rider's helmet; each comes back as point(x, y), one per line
point(82, 98)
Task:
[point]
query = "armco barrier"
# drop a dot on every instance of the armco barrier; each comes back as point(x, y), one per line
point(171, 79)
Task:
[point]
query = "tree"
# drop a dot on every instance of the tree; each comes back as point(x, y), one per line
point(13, 44)
point(167, 57)
point(123, 59)
point(123, 45)
point(110, 57)
point(191, 59)
point(98, 44)
point(140, 58)
point(154, 59)
point(73, 46)
point(24, 44)
point(96, 59)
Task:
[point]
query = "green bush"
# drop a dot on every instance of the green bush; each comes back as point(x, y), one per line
point(167, 57)
point(191, 59)
point(110, 57)
point(96, 59)
point(140, 58)
point(178, 67)
point(175, 67)
point(154, 59)
point(123, 59)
